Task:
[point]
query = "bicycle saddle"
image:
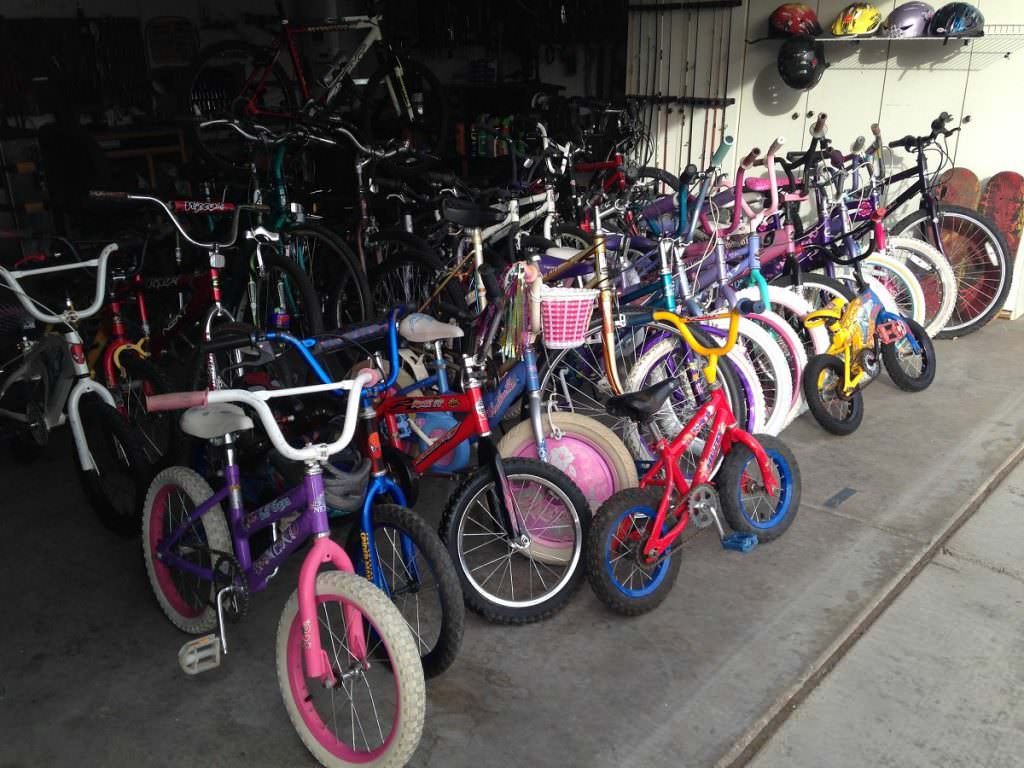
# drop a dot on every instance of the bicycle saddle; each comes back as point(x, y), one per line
point(216, 420)
point(420, 329)
point(642, 405)
point(470, 215)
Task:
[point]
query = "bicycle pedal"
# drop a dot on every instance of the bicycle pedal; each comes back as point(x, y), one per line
point(199, 655)
point(739, 542)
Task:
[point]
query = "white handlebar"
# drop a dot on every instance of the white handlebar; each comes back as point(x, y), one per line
point(10, 278)
point(316, 451)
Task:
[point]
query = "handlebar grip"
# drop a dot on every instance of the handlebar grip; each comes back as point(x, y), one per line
point(906, 142)
point(176, 401)
point(390, 185)
point(723, 149)
point(233, 341)
point(447, 179)
point(373, 373)
point(859, 144)
point(776, 145)
point(748, 161)
point(201, 206)
point(876, 129)
point(690, 172)
point(820, 127)
point(99, 194)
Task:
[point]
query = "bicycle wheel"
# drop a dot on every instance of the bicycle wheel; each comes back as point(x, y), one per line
point(186, 599)
point(382, 112)
point(280, 296)
point(910, 370)
point(29, 397)
point(793, 350)
point(746, 504)
point(823, 384)
point(933, 273)
point(224, 77)
point(338, 278)
point(117, 484)
point(588, 452)
point(794, 304)
point(424, 587)
point(615, 570)
point(374, 715)
point(979, 256)
point(901, 292)
point(509, 582)
point(411, 278)
point(139, 378)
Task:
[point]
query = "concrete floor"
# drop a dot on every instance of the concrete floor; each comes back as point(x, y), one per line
point(88, 674)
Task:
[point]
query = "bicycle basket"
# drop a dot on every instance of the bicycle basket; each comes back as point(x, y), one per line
point(565, 315)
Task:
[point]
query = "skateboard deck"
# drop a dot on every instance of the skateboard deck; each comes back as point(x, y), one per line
point(959, 186)
point(1003, 202)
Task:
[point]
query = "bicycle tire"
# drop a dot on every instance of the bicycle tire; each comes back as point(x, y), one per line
point(843, 423)
point(410, 278)
point(480, 484)
point(195, 613)
point(600, 567)
point(407, 690)
point(337, 277)
point(161, 437)
point(793, 349)
point(117, 486)
point(438, 654)
point(434, 137)
point(307, 322)
point(894, 366)
point(208, 108)
point(973, 310)
point(933, 273)
point(895, 285)
point(733, 482)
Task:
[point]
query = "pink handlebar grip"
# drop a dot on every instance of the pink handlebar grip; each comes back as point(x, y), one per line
point(775, 146)
point(176, 401)
point(375, 377)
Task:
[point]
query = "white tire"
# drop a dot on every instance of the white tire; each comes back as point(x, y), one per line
point(934, 274)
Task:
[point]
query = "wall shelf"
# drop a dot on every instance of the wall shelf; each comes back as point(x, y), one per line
point(999, 42)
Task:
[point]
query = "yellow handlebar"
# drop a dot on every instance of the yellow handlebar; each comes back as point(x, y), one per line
point(712, 353)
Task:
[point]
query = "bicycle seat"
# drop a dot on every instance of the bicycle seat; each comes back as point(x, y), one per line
point(764, 185)
point(421, 329)
point(470, 215)
point(642, 405)
point(561, 252)
point(209, 421)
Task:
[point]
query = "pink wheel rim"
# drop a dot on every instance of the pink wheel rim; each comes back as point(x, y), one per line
point(157, 517)
point(303, 700)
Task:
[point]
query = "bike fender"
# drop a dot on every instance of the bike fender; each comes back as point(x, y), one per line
point(763, 463)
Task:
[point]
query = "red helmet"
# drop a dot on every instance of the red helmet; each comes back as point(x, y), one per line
point(793, 19)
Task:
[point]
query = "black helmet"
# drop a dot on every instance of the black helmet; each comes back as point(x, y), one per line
point(801, 62)
point(958, 19)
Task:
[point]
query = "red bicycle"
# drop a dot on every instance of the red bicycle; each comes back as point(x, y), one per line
point(632, 556)
point(237, 80)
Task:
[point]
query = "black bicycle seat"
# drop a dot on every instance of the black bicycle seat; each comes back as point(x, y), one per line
point(470, 215)
point(640, 406)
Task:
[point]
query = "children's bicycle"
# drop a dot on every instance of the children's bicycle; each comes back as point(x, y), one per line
point(632, 555)
point(347, 664)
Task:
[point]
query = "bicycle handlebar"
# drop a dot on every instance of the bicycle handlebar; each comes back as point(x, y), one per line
point(723, 149)
point(11, 279)
point(258, 402)
point(265, 134)
point(712, 353)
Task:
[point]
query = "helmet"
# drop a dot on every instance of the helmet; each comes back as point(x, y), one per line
point(909, 20)
point(344, 491)
point(958, 19)
point(857, 19)
point(793, 19)
point(801, 62)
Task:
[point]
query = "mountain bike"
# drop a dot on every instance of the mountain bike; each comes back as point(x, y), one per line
point(240, 80)
point(51, 385)
point(632, 555)
point(341, 645)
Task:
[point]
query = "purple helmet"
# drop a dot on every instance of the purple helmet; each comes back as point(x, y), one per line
point(909, 20)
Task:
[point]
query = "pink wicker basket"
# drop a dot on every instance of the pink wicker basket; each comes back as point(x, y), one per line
point(565, 314)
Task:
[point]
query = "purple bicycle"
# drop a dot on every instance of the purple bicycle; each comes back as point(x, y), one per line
point(347, 664)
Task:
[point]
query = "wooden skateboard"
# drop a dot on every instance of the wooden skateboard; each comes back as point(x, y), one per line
point(959, 186)
point(1003, 202)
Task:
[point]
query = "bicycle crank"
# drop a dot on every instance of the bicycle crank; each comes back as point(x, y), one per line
point(703, 504)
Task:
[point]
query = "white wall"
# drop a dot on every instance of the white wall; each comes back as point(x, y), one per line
point(900, 85)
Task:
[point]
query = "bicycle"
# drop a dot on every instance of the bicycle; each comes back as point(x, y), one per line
point(336, 630)
point(52, 385)
point(236, 79)
point(632, 554)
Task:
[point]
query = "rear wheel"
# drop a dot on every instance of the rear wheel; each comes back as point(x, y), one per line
point(279, 295)
point(337, 277)
point(117, 483)
point(140, 378)
point(910, 369)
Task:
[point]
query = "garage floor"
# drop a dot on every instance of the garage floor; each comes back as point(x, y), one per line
point(88, 674)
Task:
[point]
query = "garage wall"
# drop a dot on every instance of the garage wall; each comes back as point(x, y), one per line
point(900, 85)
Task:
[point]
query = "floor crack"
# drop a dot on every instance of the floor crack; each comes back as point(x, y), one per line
point(1001, 569)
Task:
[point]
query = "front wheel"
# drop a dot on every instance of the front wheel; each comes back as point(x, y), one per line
point(117, 482)
point(910, 369)
point(823, 386)
point(746, 504)
point(420, 579)
point(619, 576)
point(374, 715)
point(514, 582)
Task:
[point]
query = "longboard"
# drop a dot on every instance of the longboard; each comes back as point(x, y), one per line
point(959, 186)
point(1003, 202)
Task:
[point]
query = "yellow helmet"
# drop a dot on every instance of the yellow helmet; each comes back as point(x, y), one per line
point(857, 19)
